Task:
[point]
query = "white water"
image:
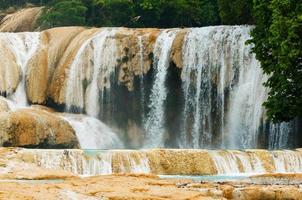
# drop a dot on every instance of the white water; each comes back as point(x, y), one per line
point(142, 88)
point(90, 163)
point(23, 46)
point(155, 124)
point(246, 111)
point(287, 161)
point(92, 133)
point(235, 162)
point(196, 77)
point(104, 50)
point(222, 85)
point(279, 135)
point(104, 56)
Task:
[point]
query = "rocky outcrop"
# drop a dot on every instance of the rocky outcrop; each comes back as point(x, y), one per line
point(43, 75)
point(35, 128)
point(135, 48)
point(9, 69)
point(176, 52)
point(48, 70)
point(21, 21)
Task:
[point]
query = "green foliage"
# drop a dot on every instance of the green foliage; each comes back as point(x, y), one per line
point(64, 13)
point(138, 13)
point(175, 13)
point(278, 46)
point(234, 12)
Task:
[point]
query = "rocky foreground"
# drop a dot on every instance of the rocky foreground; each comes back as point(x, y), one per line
point(22, 176)
point(58, 185)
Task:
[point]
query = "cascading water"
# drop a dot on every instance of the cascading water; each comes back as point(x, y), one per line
point(279, 135)
point(23, 46)
point(91, 163)
point(221, 96)
point(104, 64)
point(141, 62)
point(287, 161)
point(155, 125)
point(104, 50)
point(92, 133)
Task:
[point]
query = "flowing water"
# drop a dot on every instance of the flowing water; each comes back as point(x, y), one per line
point(237, 163)
point(218, 99)
point(155, 124)
point(92, 133)
point(103, 50)
point(23, 46)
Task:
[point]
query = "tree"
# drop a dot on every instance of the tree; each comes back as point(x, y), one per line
point(176, 13)
point(234, 12)
point(277, 40)
point(64, 13)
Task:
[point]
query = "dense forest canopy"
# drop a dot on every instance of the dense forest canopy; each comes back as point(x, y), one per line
point(276, 37)
point(140, 13)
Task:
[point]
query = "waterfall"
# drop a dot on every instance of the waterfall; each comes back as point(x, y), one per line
point(279, 135)
point(246, 111)
point(103, 49)
point(92, 133)
point(23, 46)
point(196, 77)
point(141, 63)
point(104, 64)
point(91, 163)
point(219, 91)
point(155, 125)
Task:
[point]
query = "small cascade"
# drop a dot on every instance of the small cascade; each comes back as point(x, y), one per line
point(287, 161)
point(92, 133)
point(166, 161)
point(23, 46)
point(155, 125)
point(90, 162)
point(225, 163)
point(99, 51)
point(235, 162)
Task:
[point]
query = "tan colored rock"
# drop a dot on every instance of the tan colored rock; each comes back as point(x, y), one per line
point(131, 62)
point(52, 46)
point(4, 107)
point(176, 51)
point(56, 90)
point(35, 128)
point(113, 187)
point(21, 21)
point(181, 162)
point(9, 70)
